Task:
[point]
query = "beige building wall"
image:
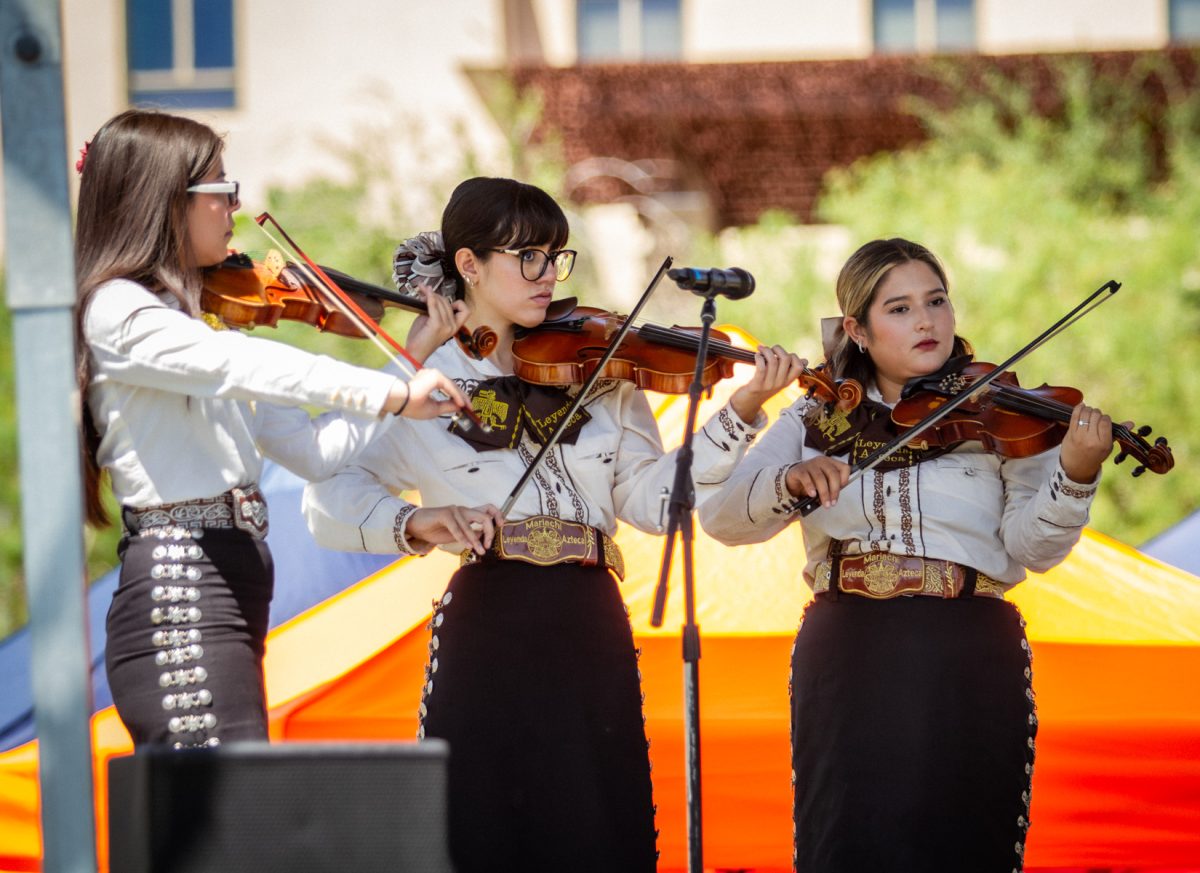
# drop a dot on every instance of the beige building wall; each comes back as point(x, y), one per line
point(313, 74)
point(1067, 25)
point(717, 31)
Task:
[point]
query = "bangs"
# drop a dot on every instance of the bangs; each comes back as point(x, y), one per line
point(535, 220)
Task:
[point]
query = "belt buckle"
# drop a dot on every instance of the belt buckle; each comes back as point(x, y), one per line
point(545, 540)
point(882, 576)
point(250, 511)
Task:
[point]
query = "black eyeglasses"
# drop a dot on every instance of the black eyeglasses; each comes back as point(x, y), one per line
point(229, 189)
point(535, 261)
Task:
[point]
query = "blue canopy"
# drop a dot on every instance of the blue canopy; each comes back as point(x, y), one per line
point(1178, 546)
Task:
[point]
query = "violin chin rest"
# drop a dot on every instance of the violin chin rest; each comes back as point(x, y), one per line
point(559, 309)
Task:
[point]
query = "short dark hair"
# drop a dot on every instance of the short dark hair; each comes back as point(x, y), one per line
point(490, 213)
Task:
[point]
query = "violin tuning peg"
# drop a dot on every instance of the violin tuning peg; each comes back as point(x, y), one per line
point(1121, 456)
point(1161, 441)
point(1137, 471)
point(1144, 430)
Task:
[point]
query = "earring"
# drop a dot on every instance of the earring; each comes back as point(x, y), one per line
point(861, 348)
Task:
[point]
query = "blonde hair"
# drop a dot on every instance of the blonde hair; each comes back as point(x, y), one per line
point(857, 284)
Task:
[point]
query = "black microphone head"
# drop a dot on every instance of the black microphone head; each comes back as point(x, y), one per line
point(744, 288)
point(734, 283)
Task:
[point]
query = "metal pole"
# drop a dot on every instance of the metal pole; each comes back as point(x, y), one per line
point(41, 293)
point(682, 503)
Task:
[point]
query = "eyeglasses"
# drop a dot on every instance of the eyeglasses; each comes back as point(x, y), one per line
point(229, 189)
point(535, 261)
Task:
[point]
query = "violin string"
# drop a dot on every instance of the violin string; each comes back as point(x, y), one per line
point(369, 328)
point(1022, 400)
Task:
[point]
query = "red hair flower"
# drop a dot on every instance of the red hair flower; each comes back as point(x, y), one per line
point(82, 157)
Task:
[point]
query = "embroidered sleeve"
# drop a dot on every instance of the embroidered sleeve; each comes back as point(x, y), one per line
point(755, 504)
point(786, 504)
point(1060, 484)
point(400, 532)
point(1045, 511)
point(729, 433)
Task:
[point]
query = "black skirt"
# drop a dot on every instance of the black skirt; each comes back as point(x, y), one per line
point(913, 731)
point(185, 636)
point(533, 680)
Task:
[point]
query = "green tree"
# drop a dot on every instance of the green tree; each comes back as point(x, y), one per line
point(1031, 212)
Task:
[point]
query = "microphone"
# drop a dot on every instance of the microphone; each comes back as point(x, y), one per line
point(734, 283)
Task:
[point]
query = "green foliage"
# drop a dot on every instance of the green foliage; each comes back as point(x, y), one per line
point(12, 590)
point(1031, 213)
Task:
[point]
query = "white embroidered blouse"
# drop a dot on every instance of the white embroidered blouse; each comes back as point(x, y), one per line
point(187, 412)
point(615, 470)
point(1000, 516)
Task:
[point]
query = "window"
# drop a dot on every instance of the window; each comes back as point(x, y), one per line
point(610, 30)
point(1184, 20)
point(924, 25)
point(180, 53)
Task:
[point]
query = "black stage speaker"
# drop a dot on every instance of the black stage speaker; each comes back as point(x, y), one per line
point(299, 808)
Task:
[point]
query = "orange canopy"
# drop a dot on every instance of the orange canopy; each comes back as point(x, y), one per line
point(1116, 640)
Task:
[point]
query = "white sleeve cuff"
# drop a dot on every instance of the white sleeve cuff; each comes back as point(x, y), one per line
point(400, 533)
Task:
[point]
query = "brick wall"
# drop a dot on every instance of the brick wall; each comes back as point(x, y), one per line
point(760, 136)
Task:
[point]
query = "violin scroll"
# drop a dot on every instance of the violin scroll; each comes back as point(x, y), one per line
point(481, 342)
point(1156, 458)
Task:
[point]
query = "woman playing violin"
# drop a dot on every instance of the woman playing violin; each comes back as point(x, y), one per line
point(913, 719)
point(532, 674)
point(181, 416)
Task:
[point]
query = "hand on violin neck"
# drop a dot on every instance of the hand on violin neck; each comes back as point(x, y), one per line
point(427, 394)
point(443, 320)
point(774, 369)
point(1087, 442)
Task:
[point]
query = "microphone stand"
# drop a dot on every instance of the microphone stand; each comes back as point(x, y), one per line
point(680, 506)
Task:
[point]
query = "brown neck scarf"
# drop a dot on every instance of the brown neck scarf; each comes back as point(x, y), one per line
point(860, 432)
point(513, 407)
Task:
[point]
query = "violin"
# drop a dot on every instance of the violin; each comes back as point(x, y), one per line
point(565, 350)
point(1009, 420)
point(245, 293)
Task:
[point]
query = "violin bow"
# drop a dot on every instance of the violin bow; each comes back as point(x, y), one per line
point(588, 383)
point(1101, 295)
point(344, 303)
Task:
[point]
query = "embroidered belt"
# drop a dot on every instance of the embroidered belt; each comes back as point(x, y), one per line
point(238, 508)
point(545, 540)
point(883, 575)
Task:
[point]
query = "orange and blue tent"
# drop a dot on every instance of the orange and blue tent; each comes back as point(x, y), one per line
point(1116, 641)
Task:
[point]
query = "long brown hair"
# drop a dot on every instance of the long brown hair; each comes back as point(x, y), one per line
point(132, 224)
point(857, 283)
